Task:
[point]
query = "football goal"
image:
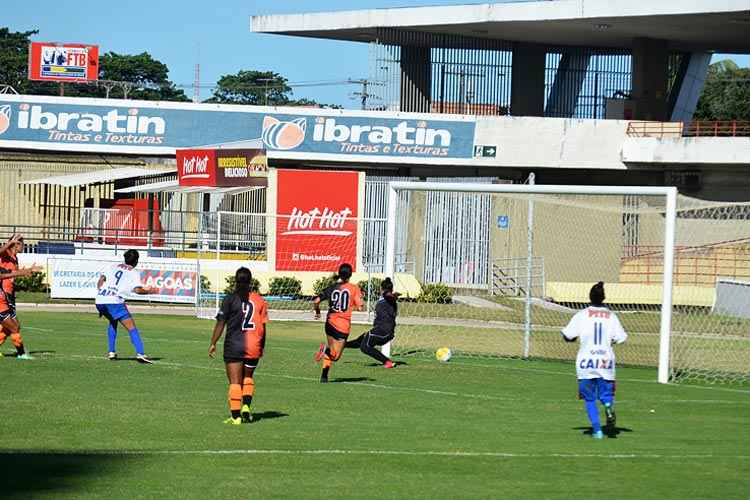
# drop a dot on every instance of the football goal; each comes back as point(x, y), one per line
point(503, 267)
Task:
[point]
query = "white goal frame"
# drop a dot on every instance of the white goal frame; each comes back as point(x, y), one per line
point(670, 194)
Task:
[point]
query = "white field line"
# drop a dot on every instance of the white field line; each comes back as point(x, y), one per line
point(486, 397)
point(411, 453)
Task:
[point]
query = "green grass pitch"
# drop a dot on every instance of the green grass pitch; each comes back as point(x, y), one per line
point(77, 425)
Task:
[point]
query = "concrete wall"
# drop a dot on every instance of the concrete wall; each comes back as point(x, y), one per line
point(687, 150)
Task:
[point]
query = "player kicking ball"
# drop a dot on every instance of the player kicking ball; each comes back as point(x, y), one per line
point(598, 329)
point(114, 285)
point(343, 297)
point(383, 326)
point(244, 313)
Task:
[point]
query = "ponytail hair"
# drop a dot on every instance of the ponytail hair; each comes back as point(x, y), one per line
point(596, 295)
point(345, 272)
point(242, 283)
point(386, 285)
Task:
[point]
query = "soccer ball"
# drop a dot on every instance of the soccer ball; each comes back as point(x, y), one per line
point(443, 354)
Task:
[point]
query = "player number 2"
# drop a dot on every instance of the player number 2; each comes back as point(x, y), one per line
point(340, 300)
point(247, 313)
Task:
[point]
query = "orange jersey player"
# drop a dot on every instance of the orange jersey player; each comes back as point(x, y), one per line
point(244, 313)
point(343, 298)
point(9, 270)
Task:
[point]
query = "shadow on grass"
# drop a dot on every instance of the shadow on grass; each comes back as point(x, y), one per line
point(264, 415)
point(352, 379)
point(40, 473)
point(609, 432)
point(133, 358)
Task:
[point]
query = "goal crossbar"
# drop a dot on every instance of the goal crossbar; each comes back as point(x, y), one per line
point(669, 193)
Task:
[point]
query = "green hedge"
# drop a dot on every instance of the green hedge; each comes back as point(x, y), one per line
point(374, 288)
point(436, 294)
point(229, 289)
point(321, 284)
point(33, 283)
point(285, 286)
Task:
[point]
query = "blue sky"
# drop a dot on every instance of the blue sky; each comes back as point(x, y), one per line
point(217, 34)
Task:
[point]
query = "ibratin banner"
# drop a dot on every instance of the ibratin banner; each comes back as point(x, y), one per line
point(316, 225)
point(77, 278)
point(139, 127)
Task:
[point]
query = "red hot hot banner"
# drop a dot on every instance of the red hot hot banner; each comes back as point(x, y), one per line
point(316, 226)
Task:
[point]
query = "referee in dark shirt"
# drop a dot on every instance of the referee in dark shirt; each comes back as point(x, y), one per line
point(383, 327)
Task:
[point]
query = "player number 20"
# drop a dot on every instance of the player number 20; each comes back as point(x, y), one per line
point(340, 300)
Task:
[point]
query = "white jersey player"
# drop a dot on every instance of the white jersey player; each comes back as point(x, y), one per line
point(598, 329)
point(114, 286)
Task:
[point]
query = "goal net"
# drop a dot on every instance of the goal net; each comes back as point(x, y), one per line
point(504, 267)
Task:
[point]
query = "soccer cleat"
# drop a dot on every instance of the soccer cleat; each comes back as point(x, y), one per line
point(25, 356)
point(609, 411)
point(233, 421)
point(320, 353)
point(142, 358)
point(246, 414)
point(389, 364)
point(112, 356)
point(597, 435)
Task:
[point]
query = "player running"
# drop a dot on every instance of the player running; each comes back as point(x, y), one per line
point(245, 314)
point(114, 285)
point(598, 329)
point(9, 270)
point(383, 327)
point(343, 297)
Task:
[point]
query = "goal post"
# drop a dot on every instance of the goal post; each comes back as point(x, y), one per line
point(667, 194)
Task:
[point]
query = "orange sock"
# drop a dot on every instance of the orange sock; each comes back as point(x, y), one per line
point(235, 399)
point(327, 361)
point(16, 339)
point(248, 388)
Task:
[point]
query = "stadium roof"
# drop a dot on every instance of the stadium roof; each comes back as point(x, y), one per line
point(99, 176)
point(174, 187)
point(691, 25)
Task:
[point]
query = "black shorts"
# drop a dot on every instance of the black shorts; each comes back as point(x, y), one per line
point(377, 337)
point(247, 362)
point(332, 332)
point(9, 313)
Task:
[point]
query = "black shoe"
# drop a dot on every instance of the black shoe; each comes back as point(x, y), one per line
point(324, 379)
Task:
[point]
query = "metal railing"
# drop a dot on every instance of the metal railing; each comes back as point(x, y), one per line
point(510, 276)
point(675, 130)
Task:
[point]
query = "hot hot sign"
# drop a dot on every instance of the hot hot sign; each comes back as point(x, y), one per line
point(316, 226)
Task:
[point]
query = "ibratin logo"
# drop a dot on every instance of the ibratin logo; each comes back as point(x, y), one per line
point(283, 135)
point(4, 118)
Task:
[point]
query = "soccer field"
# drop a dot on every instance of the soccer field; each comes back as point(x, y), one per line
point(77, 425)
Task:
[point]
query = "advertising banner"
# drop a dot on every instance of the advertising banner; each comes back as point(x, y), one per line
point(72, 278)
point(222, 167)
point(316, 226)
point(141, 127)
point(63, 62)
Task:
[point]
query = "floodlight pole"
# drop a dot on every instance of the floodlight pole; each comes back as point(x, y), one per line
point(462, 187)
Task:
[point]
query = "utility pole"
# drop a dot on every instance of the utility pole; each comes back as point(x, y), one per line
point(265, 81)
point(364, 94)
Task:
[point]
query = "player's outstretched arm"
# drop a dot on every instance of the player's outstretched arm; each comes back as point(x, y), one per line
point(145, 290)
point(12, 241)
point(218, 330)
point(26, 271)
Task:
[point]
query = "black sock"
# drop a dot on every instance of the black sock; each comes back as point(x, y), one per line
point(235, 413)
point(328, 352)
point(246, 400)
point(20, 350)
point(324, 374)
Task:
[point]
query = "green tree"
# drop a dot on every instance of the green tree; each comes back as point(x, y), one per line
point(14, 61)
point(252, 87)
point(259, 88)
point(726, 93)
point(148, 76)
